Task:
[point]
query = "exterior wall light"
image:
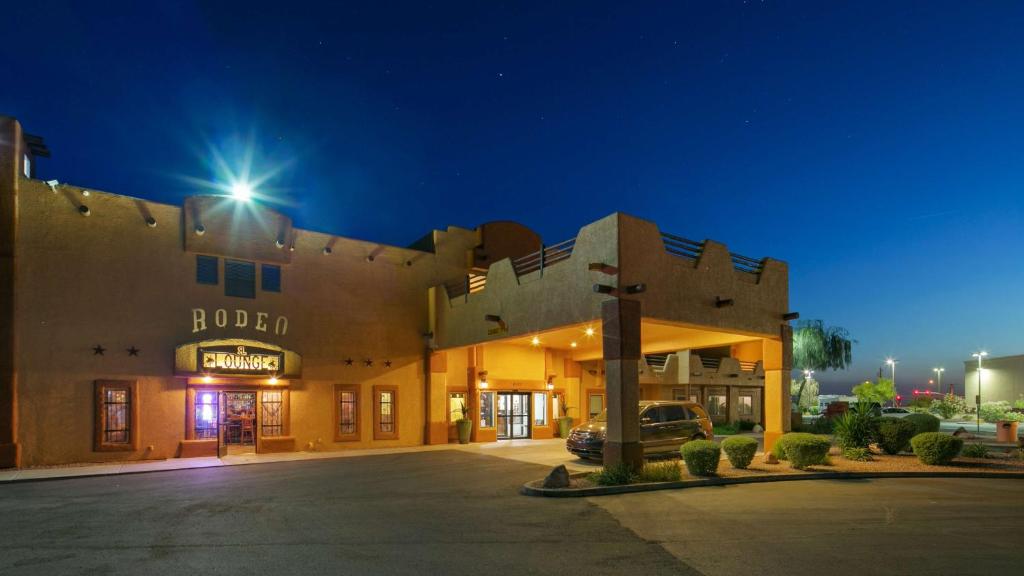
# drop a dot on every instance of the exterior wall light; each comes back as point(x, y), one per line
point(603, 288)
point(53, 185)
point(273, 380)
point(84, 210)
point(790, 316)
point(241, 191)
point(207, 379)
point(85, 192)
point(200, 229)
point(589, 331)
point(723, 302)
point(572, 344)
point(150, 221)
point(279, 243)
point(636, 288)
point(535, 341)
point(483, 379)
point(327, 250)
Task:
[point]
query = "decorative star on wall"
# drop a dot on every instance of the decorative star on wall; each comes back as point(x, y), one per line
point(367, 362)
point(98, 350)
point(387, 363)
point(348, 361)
point(133, 351)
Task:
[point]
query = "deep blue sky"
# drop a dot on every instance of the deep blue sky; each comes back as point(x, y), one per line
point(876, 147)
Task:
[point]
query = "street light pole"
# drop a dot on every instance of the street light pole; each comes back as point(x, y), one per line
point(892, 363)
point(938, 381)
point(977, 397)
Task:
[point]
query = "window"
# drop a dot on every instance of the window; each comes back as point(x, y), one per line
point(717, 404)
point(270, 278)
point(206, 270)
point(205, 415)
point(556, 400)
point(271, 420)
point(595, 405)
point(239, 279)
point(745, 406)
point(673, 413)
point(540, 409)
point(346, 406)
point(652, 415)
point(116, 416)
point(456, 404)
point(385, 412)
point(27, 166)
point(487, 409)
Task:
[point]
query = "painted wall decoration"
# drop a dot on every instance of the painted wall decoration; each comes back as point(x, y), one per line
point(240, 360)
point(238, 318)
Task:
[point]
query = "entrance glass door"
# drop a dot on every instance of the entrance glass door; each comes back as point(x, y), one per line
point(238, 413)
point(513, 415)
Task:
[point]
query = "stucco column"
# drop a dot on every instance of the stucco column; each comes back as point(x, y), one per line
point(436, 398)
point(778, 356)
point(10, 156)
point(621, 341)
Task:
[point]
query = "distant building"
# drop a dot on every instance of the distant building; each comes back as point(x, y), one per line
point(1002, 378)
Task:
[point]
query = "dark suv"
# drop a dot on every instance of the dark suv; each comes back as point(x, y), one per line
point(664, 426)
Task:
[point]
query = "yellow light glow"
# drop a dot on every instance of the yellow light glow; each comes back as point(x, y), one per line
point(589, 331)
point(207, 379)
point(483, 383)
point(573, 344)
point(273, 379)
point(535, 341)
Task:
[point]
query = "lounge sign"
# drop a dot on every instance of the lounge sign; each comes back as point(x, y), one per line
point(240, 360)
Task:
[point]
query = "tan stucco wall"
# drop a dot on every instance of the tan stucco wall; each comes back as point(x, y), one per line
point(1001, 379)
point(110, 280)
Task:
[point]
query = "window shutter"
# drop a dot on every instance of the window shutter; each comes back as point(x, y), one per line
point(271, 278)
point(239, 279)
point(206, 270)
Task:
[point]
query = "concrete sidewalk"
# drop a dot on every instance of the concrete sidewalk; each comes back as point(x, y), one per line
point(545, 452)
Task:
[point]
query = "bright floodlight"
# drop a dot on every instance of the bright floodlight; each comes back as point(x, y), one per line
point(890, 361)
point(981, 354)
point(241, 191)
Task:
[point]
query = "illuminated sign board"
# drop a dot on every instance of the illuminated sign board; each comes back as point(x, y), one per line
point(240, 360)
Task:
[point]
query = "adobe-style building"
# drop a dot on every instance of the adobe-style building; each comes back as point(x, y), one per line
point(1002, 379)
point(136, 330)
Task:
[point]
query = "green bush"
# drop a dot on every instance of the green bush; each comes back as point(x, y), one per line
point(819, 426)
point(745, 425)
point(974, 451)
point(614, 475)
point(858, 454)
point(923, 423)
point(778, 450)
point(950, 406)
point(936, 448)
point(804, 449)
point(724, 429)
point(740, 450)
point(661, 472)
point(894, 434)
point(856, 428)
point(701, 457)
point(994, 411)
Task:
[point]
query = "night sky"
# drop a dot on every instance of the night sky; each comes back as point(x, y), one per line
point(877, 148)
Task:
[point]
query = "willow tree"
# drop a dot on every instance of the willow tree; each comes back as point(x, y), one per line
point(818, 347)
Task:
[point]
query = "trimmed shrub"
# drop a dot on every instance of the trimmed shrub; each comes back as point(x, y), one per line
point(974, 451)
point(701, 457)
point(856, 428)
point(935, 448)
point(614, 476)
point(804, 449)
point(894, 434)
point(661, 472)
point(923, 423)
point(740, 450)
point(858, 454)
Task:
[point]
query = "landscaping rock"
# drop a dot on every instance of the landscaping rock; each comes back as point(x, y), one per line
point(962, 432)
point(770, 458)
point(558, 478)
point(758, 429)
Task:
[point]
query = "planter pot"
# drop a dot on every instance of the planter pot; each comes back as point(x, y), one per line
point(1006, 431)
point(465, 428)
point(564, 427)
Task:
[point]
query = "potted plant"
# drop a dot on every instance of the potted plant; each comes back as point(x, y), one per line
point(464, 425)
point(565, 422)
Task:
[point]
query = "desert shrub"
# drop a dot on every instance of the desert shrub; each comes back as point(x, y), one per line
point(974, 451)
point(701, 457)
point(994, 411)
point(740, 450)
point(814, 410)
point(936, 448)
point(615, 475)
point(745, 425)
point(858, 454)
point(724, 429)
point(661, 472)
point(923, 423)
point(856, 428)
point(950, 405)
point(804, 449)
point(894, 434)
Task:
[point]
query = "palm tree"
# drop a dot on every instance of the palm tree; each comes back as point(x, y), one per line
point(818, 347)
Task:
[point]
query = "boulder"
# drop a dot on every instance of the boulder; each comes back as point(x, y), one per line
point(758, 429)
point(962, 432)
point(558, 478)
